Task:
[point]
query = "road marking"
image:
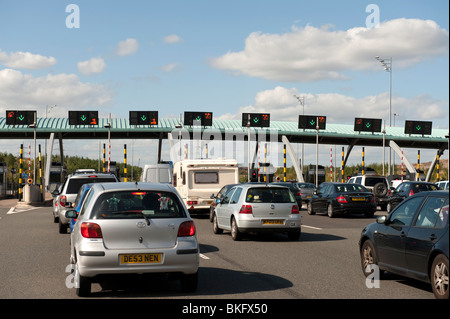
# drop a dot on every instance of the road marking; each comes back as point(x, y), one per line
point(14, 210)
point(312, 227)
point(203, 256)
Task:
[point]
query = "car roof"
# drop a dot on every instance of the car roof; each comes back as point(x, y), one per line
point(133, 186)
point(81, 175)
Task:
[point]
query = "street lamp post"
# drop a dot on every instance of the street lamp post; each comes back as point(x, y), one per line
point(301, 100)
point(387, 64)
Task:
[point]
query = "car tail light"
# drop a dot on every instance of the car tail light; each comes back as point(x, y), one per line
point(91, 230)
point(295, 209)
point(372, 199)
point(341, 199)
point(411, 192)
point(299, 193)
point(246, 209)
point(192, 202)
point(186, 229)
point(62, 200)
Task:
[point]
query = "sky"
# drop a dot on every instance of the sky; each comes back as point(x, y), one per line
point(225, 57)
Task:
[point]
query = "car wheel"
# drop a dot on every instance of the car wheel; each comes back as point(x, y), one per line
point(82, 284)
point(330, 211)
point(62, 228)
point(216, 229)
point(189, 283)
point(235, 233)
point(309, 208)
point(380, 189)
point(368, 258)
point(439, 277)
point(294, 235)
point(211, 214)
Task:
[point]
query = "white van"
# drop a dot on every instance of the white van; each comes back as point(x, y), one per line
point(157, 173)
point(196, 180)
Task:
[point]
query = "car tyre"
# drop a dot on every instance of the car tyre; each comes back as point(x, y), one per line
point(62, 228)
point(189, 283)
point(235, 233)
point(216, 229)
point(380, 189)
point(330, 211)
point(83, 284)
point(368, 258)
point(439, 277)
point(310, 209)
point(294, 235)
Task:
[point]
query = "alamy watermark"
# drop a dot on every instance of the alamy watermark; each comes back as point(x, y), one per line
point(73, 19)
point(373, 279)
point(373, 19)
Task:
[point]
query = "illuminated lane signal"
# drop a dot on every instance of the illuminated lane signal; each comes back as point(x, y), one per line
point(83, 117)
point(143, 118)
point(14, 117)
point(256, 119)
point(198, 118)
point(418, 127)
point(310, 122)
point(367, 125)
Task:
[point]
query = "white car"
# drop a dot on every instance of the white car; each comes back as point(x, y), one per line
point(257, 208)
point(133, 228)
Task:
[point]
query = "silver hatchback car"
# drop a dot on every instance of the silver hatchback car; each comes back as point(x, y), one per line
point(133, 228)
point(257, 208)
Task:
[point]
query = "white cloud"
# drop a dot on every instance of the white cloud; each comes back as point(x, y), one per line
point(26, 60)
point(312, 54)
point(173, 38)
point(127, 47)
point(21, 90)
point(92, 66)
point(169, 67)
point(342, 109)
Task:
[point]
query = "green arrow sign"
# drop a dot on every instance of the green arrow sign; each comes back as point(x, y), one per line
point(83, 117)
point(255, 119)
point(143, 117)
point(21, 117)
point(368, 124)
point(312, 122)
point(418, 127)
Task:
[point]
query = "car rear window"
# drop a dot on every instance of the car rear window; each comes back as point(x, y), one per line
point(349, 188)
point(75, 183)
point(371, 181)
point(269, 195)
point(132, 204)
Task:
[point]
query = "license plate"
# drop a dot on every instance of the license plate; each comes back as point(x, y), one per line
point(273, 222)
point(358, 199)
point(128, 259)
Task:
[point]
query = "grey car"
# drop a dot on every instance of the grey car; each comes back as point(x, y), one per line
point(306, 191)
point(133, 228)
point(257, 208)
point(67, 193)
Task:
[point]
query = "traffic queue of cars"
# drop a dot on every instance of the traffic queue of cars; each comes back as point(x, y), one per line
point(140, 228)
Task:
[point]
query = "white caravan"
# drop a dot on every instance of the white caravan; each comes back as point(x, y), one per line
point(196, 180)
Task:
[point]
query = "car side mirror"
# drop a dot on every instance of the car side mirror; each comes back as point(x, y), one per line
point(212, 196)
point(382, 220)
point(218, 201)
point(71, 214)
point(55, 193)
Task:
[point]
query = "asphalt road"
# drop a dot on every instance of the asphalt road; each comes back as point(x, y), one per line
point(323, 264)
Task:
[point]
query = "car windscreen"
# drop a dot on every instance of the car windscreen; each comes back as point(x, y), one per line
point(269, 195)
point(75, 183)
point(350, 188)
point(132, 204)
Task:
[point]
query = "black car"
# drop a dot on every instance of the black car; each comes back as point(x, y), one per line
point(295, 190)
point(342, 198)
point(411, 241)
point(407, 189)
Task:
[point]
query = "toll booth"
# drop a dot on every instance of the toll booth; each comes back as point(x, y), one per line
point(57, 175)
point(3, 178)
point(311, 174)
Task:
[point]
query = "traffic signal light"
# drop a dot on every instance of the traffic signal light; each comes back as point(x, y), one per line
point(20, 117)
point(256, 119)
point(143, 118)
point(203, 118)
point(367, 125)
point(311, 121)
point(418, 127)
point(253, 175)
point(83, 117)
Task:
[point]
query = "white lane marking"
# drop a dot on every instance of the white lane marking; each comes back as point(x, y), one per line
point(15, 210)
point(312, 227)
point(203, 256)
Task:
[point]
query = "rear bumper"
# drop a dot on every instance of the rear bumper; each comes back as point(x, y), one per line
point(257, 225)
point(94, 260)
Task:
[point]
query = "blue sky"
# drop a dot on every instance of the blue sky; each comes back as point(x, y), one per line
point(227, 57)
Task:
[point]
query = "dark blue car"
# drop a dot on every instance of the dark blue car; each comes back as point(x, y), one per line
point(79, 201)
point(411, 241)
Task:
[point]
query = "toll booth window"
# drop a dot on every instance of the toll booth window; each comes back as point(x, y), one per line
point(206, 177)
